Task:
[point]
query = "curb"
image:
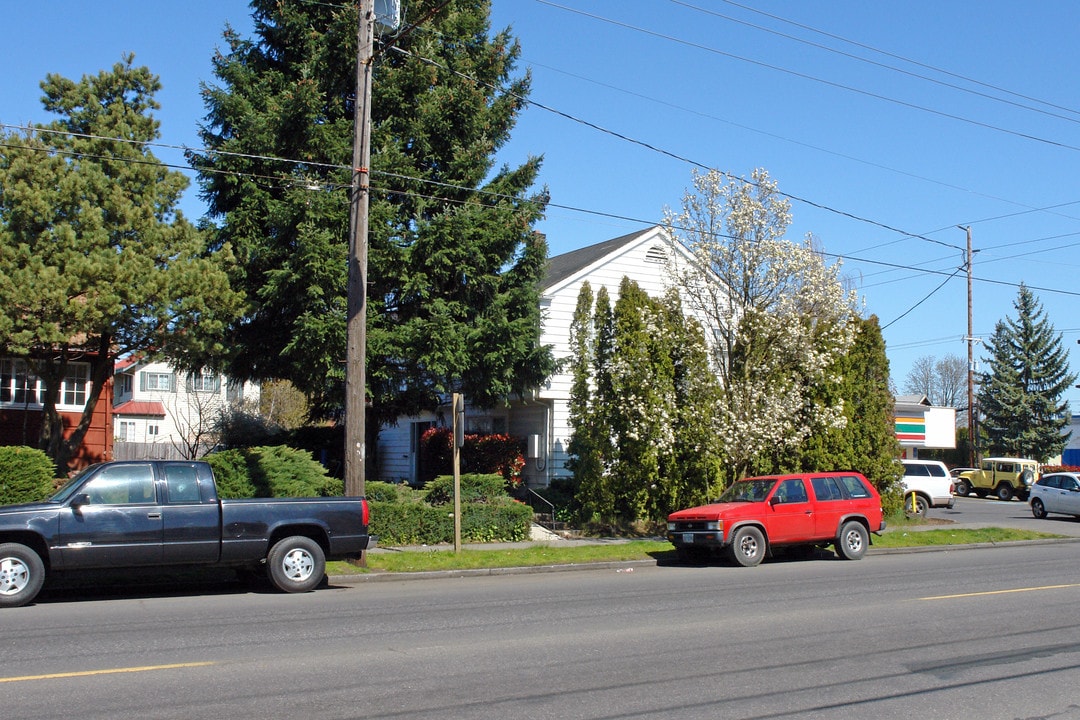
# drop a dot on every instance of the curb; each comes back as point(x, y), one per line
point(483, 572)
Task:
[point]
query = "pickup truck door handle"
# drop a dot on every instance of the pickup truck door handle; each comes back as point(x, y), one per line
point(154, 516)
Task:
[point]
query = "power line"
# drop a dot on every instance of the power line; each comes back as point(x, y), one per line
point(901, 57)
point(805, 76)
point(676, 156)
point(872, 62)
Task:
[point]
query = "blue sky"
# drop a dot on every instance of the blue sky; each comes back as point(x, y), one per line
point(891, 123)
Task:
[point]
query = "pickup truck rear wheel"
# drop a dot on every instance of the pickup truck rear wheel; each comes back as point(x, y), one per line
point(853, 540)
point(748, 546)
point(21, 575)
point(296, 564)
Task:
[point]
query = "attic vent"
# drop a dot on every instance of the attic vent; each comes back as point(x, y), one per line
point(656, 254)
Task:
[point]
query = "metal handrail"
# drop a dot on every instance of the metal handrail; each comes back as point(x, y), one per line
point(544, 500)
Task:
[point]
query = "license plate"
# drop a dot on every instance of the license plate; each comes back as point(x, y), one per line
point(688, 538)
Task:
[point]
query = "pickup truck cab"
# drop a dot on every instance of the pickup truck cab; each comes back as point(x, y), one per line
point(1003, 477)
point(129, 514)
point(756, 515)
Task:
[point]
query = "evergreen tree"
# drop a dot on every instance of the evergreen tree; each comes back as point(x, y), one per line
point(94, 256)
point(644, 440)
point(453, 300)
point(596, 492)
point(866, 441)
point(586, 443)
point(643, 414)
point(692, 471)
point(1020, 396)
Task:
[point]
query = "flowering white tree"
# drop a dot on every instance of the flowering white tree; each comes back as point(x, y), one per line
point(779, 315)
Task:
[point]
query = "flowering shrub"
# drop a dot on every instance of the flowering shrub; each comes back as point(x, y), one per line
point(499, 453)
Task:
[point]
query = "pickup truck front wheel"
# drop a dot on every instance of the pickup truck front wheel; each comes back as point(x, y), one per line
point(296, 564)
point(21, 575)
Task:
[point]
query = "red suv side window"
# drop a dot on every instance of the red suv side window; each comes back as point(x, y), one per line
point(854, 486)
point(825, 488)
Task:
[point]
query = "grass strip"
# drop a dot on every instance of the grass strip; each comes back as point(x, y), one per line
point(405, 561)
point(945, 536)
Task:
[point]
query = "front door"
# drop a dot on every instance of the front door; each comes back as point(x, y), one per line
point(791, 513)
point(120, 526)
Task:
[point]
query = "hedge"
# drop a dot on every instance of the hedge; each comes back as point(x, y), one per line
point(26, 475)
point(403, 516)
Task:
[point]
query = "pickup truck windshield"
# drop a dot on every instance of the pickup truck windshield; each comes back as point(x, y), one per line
point(748, 491)
point(68, 488)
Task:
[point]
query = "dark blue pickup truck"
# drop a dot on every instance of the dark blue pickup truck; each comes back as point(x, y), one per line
point(152, 513)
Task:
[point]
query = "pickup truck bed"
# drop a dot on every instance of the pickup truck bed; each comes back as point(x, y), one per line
point(153, 513)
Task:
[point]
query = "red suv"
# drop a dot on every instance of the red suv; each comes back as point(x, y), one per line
point(755, 515)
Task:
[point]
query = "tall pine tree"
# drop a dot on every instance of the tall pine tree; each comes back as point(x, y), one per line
point(95, 259)
point(1020, 396)
point(454, 264)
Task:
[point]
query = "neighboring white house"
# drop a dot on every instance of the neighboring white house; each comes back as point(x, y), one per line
point(154, 404)
point(544, 418)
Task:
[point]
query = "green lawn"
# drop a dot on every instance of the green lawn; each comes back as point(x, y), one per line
point(446, 559)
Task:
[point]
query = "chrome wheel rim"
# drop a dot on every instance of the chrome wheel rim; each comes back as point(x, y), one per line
point(14, 576)
point(298, 565)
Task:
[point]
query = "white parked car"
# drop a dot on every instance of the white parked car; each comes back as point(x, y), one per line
point(1057, 492)
point(927, 484)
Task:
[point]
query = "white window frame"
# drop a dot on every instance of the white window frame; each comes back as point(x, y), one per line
point(18, 382)
point(162, 381)
point(207, 382)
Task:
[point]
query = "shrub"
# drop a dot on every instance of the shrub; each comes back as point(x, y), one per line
point(276, 471)
point(379, 491)
point(26, 475)
point(475, 488)
point(231, 473)
point(892, 499)
point(502, 454)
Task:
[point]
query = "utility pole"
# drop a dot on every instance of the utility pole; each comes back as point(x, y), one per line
point(356, 324)
point(971, 358)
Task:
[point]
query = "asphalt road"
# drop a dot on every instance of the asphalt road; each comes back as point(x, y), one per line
point(973, 633)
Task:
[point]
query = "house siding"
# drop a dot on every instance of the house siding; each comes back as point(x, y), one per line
point(22, 426)
point(184, 411)
point(546, 414)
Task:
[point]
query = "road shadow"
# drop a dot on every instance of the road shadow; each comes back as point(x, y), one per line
point(88, 586)
point(720, 558)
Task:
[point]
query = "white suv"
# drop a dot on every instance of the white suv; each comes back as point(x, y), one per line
point(927, 484)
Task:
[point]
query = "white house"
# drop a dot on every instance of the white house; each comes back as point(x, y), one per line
point(155, 405)
point(543, 419)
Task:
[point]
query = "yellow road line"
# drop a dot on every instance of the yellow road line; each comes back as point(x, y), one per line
point(87, 673)
point(1001, 592)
